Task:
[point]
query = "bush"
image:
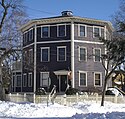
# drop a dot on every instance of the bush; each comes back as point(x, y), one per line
point(71, 91)
point(40, 91)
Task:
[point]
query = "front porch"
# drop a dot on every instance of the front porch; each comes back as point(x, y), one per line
point(63, 80)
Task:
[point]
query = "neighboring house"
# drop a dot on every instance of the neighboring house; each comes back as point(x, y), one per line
point(118, 79)
point(63, 50)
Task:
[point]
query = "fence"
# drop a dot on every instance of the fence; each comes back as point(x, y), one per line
point(61, 99)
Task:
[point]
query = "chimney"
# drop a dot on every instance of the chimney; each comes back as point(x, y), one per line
point(67, 13)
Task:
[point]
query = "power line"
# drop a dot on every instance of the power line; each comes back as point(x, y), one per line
point(45, 12)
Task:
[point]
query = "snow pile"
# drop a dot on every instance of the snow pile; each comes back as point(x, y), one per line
point(82, 110)
point(10, 109)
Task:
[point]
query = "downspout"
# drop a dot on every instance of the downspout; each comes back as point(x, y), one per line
point(35, 40)
point(72, 53)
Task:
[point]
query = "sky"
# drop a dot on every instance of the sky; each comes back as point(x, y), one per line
point(97, 9)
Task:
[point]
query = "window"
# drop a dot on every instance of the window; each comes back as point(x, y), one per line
point(25, 37)
point(82, 54)
point(96, 32)
point(97, 81)
point(61, 30)
point(31, 35)
point(18, 80)
point(30, 79)
point(45, 54)
point(82, 78)
point(30, 56)
point(44, 79)
point(97, 55)
point(44, 31)
point(82, 30)
point(13, 81)
point(61, 53)
point(25, 57)
point(24, 80)
point(102, 32)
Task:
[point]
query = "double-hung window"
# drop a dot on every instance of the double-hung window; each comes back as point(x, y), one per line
point(61, 53)
point(30, 34)
point(97, 79)
point(13, 80)
point(82, 31)
point(82, 78)
point(24, 80)
point(96, 32)
point(31, 56)
point(82, 54)
point(30, 79)
point(61, 30)
point(18, 80)
point(45, 52)
point(25, 37)
point(44, 79)
point(45, 31)
point(97, 55)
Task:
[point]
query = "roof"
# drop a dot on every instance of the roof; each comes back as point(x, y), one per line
point(60, 19)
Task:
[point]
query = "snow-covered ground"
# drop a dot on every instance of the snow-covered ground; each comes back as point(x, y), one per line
point(82, 110)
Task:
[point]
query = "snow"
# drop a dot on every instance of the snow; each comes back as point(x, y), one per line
point(81, 110)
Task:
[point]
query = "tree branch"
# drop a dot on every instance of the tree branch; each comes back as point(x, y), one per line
point(5, 7)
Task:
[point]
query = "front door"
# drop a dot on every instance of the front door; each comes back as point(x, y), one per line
point(63, 82)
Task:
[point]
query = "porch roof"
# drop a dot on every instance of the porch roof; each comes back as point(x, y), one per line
point(61, 72)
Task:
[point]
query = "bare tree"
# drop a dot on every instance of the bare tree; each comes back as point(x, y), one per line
point(12, 16)
point(113, 59)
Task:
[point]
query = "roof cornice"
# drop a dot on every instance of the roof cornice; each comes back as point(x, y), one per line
point(66, 19)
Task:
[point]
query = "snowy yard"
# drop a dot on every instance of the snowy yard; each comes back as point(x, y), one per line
point(82, 110)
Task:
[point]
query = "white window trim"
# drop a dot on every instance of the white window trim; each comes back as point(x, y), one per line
point(48, 53)
point(94, 54)
point(29, 79)
point(24, 80)
point(41, 83)
point(94, 31)
point(58, 53)
point(100, 79)
point(48, 31)
point(79, 30)
point(85, 53)
point(58, 29)
point(86, 78)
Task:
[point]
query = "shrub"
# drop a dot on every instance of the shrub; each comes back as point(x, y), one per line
point(40, 91)
point(71, 91)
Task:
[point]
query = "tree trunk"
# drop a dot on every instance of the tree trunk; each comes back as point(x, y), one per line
point(103, 92)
